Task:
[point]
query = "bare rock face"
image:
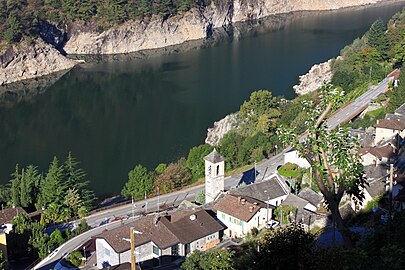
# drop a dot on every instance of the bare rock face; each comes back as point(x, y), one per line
point(192, 25)
point(315, 78)
point(23, 62)
point(220, 128)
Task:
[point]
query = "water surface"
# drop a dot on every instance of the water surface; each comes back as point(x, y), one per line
point(115, 114)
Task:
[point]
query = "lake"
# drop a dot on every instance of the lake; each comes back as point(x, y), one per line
point(149, 108)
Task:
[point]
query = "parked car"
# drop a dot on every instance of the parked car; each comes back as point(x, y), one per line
point(272, 224)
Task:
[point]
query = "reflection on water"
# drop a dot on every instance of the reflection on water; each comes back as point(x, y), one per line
point(151, 107)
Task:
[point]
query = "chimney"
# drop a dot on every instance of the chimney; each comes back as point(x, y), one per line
point(378, 121)
point(156, 220)
point(239, 200)
point(251, 209)
point(243, 201)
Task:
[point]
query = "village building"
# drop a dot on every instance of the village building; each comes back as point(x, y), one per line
point(272, 191)
point(161, 239)
point(386, 128)
point(241, 214)
point(214, 175)
point(293, 156)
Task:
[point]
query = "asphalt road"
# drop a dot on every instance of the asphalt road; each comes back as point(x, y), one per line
point(103, 220)
point(348, 112)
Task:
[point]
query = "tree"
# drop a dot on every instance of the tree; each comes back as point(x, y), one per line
point(397, 97)
point(53, 188)
point(139, 182)
point(287, 247)
point(30, 179)
point(333, 156)
point(195, 160)
point(3, 261)
point(261, 106)
point(72, 200)
point(214, 259)
point(160, 168)
point(175, 176)
point(13, 30)
point(15, 186)
point(377, 38)
point(56, 238)
point(200, 197)
point(39, 240)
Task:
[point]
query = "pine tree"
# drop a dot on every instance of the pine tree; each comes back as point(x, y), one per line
point(15, 186)
point(30, 179)
point(377, 38)
point(53, 188)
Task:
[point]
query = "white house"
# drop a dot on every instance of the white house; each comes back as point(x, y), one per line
point(386, 128)
point(163, 238)
point(240, 214)
point(293, 156)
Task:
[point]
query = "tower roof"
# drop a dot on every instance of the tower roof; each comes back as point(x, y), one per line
point(214, 157)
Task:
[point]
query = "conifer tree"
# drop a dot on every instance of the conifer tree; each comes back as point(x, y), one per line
point(53, 188)
point(15, 186)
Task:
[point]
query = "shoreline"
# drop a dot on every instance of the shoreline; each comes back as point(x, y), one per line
point(219, 34)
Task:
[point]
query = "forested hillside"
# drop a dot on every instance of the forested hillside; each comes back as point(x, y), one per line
point(19, 18)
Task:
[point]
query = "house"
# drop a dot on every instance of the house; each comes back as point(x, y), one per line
point(376, 177)
point(7, 215)
point(378, 155)
point(163, 238)
point(241, 214)
point(293, 156)
point(305, 212)
point(314, 198)
point(386, 128)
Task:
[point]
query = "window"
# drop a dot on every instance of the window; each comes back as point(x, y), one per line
point(230, 219)
point(241, 223)
point(234, 220)
point(107, 252)
point(175, 250)
point(223, 216)
point(209, 170)
point(217, 169)
point(155, 250)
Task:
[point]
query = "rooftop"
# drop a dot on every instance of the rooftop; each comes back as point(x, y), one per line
point(214, 157)
point(311, 196)
point(7, 215)
point(165, 231)
point(240, 207)
point(394, 124)
point(263, 191)
point(386, 151)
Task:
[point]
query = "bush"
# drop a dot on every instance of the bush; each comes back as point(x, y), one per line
point(75, 258)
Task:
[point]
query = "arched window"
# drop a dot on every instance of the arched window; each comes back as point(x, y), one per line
point(217, 169)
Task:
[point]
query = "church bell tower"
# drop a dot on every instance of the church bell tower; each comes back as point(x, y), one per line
point(214, 175)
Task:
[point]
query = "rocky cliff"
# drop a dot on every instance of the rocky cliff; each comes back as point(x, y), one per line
point(195, 24)
point(315, 78)
point(24, 61)
point(220, 128)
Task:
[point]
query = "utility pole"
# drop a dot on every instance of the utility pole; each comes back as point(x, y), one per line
point(158, 204)
point(255, 171)
point(390, 192)
point(133, 258)
point(146, 204)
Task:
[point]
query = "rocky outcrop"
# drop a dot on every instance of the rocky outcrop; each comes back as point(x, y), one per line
point(220, 128)
point(24, 61)
point(315, 78)
point(195, 24)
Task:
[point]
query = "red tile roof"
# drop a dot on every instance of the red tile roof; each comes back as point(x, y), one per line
point(394, 124)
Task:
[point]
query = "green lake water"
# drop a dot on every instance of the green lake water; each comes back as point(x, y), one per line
point(148, 109)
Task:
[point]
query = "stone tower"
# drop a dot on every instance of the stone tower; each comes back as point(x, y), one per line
point(214, 175)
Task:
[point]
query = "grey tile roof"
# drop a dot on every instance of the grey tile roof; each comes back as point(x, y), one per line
point(165, 231)
point(214, 157)
point(400, 111)
point(272, 187)
point(366, 138)
point(7, 215)
point(295, 201)
point(311, 196)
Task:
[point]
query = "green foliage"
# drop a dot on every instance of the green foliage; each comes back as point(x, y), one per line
point(369, 119)
point(56, 238)
point(284, 212)
point(82, 227)
point(397, 97)
point(139, 182)
point(260, 113)
point(75, 258)
point(200, 197)
point(3, 260)
point(39, 240)
point(160, 168)
point(290, 170)
point(288, 247)
point(13, 29)
point(195, 160)
point(214, 259)
point(377, 38)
